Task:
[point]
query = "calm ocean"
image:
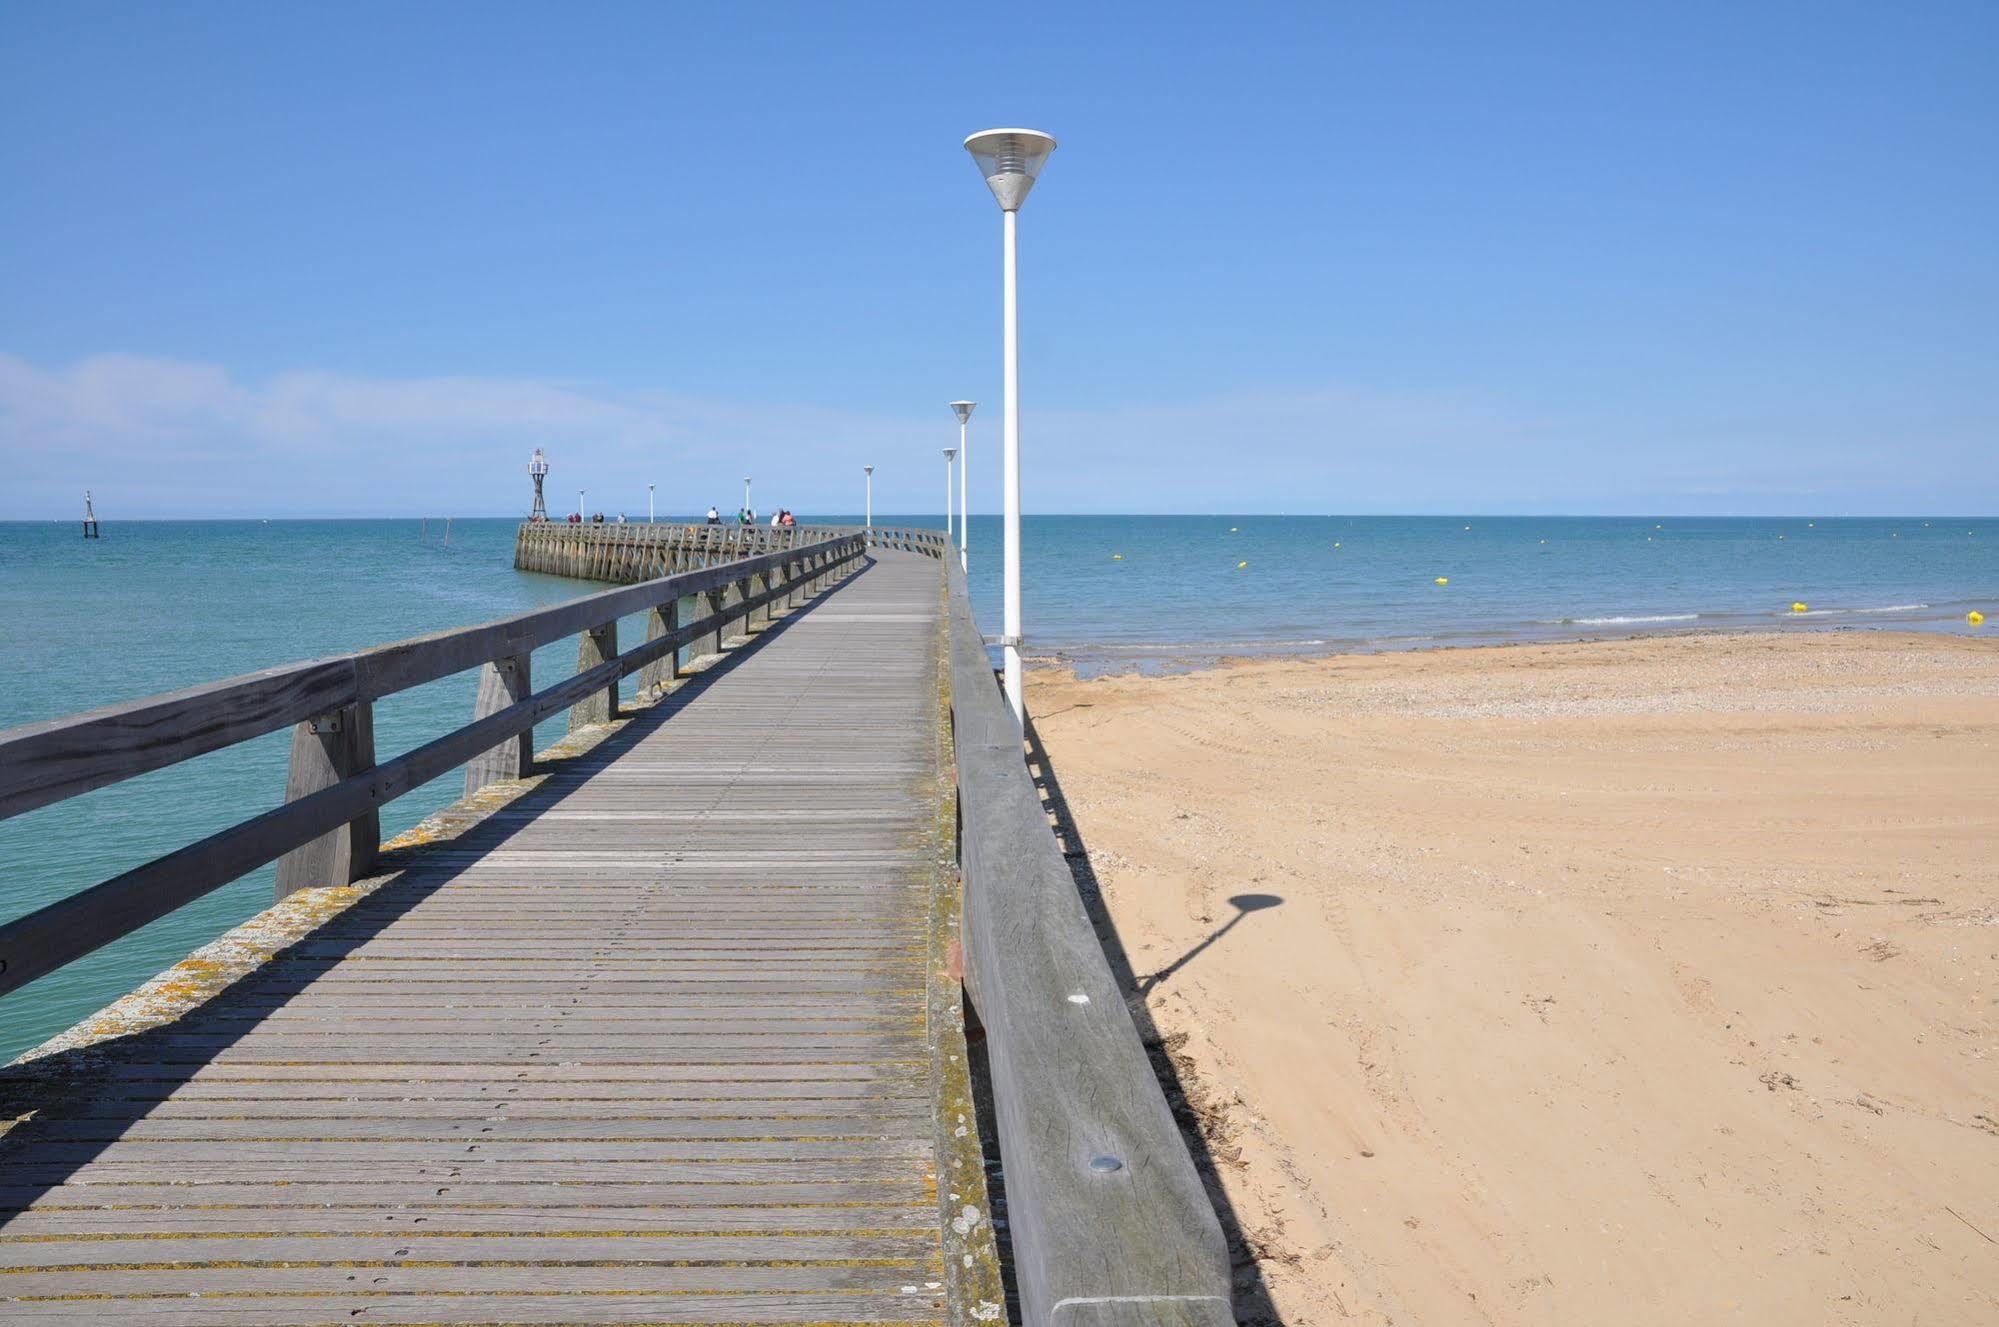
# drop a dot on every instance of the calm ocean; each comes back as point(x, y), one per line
point(155, 606)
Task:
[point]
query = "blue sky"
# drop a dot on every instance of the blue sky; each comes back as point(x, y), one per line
point(359, 259)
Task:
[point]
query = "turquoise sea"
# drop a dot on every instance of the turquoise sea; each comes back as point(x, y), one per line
point(154, 606)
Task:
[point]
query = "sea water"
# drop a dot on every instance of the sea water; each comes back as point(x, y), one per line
point(155, 606)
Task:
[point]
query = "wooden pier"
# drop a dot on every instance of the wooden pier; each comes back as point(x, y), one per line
point(662, 1026)
point(630, 551)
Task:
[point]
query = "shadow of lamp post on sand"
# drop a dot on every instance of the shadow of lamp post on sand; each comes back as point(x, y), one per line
point(1244, 904)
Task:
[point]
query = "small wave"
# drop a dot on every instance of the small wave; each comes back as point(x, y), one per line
point(1852, 612)
point(1625, 621)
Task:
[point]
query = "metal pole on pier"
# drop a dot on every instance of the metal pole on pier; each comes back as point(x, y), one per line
point(649, 489)
point(949, 452)
point(538, 471)
point(1010, 160)
point(746, 496)
point(579, 502)
point(963, 409)
point(869, 518)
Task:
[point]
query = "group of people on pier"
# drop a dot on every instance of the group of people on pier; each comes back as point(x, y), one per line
point(780, 519)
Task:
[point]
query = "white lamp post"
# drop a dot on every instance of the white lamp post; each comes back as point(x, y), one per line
point(579, 502)
point(869, 518)
point(649, 489)
point(949, 452)
point(1011, 160)
point(963, 409)
point(746, 496)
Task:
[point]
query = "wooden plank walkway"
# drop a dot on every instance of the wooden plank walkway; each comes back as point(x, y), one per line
point(647, 1045)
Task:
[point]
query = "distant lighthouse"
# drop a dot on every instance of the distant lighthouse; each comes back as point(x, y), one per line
point(89, 518)
point(538, 468)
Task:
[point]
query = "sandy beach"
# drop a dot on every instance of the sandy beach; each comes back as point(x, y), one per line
point(1646, 981)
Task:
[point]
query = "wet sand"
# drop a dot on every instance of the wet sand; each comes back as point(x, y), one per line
point(1647, 981)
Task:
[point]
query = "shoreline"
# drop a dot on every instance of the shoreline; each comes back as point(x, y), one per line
point(1649, 978)
point(1140, 659)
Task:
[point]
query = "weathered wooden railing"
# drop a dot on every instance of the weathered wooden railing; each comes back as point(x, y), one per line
point(1109, 1222)
point(327, 830)
point(637, 551)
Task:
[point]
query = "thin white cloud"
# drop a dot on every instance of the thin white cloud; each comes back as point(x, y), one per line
point(167, 437)
point(319, 442)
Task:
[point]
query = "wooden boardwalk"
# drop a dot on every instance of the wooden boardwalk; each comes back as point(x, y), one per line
point(651, 1043)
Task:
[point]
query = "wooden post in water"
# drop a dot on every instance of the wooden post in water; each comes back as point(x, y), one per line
point(502, 682)
point(326, 750)
point(594, 646)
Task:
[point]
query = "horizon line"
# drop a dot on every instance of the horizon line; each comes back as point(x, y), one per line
point(880, 517)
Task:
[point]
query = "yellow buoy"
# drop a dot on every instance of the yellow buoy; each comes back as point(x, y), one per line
point(1240, 565)
point(1544, 541)
point(1443, 580)
point(1467, 527)
point(1974, 617)
point(1232, 529)
point(1336, 544)
point(1658, 527)
point(1811, 525)
point(1117, 557)
point(1798, 608)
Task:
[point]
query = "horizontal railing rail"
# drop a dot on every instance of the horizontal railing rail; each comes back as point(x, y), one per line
point(1108, 1218)
point(326, 831)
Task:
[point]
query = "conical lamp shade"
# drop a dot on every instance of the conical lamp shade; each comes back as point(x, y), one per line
point(1010, 159)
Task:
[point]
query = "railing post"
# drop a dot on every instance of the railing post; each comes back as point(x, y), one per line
point(502, 682)
point(325, 750)
point(662, 621)
point(714, 600)
point(594, 646)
